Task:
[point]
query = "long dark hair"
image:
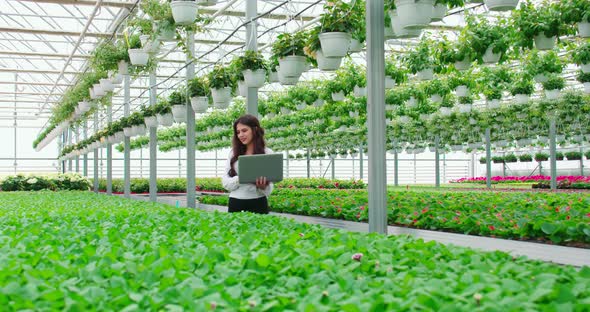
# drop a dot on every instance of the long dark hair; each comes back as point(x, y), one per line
point(239, 148)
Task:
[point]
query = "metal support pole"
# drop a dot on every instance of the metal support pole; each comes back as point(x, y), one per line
point(190, 129)
point(77, 162)
point(308, 164)
point(109, 153)
point(286, 163)
point(60, 145)
point(376, 116)
point(251, 45)
point(69, 143)
point(395, 164)
point(127, 141)
point(333, 168)
point(153, 144)
point(581, 160)
point(488, 159)
point(552, 153)
point(361, 163)
point(15, 124)
point(85, 161)
point(95, 160)
point(436, 162)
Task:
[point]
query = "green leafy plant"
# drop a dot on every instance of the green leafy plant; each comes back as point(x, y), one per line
point(220, 77)
point(497, 159)
point(554, 82)
point(523, 85)
point(531, 20)
point(480, 34)
point(573, 155)
point(198, 86)
point(394, 70)
point(252, 60)
point(288, 44)
point(525, 158)
point(581, 54)
point(162, 107)
point(537, 63)
point(436, 86)
point(420, 57)
point(541, 157)
point(583, 77)
point(559, 155)
point(575, 11)
point(339, 16)
point(510, 158)
point(492, 94)
point(107, 55)
point(177, 97)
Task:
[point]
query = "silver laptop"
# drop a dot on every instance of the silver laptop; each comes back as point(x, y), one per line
point(251, 167)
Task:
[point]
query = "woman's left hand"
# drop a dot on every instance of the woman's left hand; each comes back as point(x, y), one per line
point(261, 183)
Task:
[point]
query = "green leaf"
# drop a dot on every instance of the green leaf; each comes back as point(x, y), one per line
point(263, 260)
point(548, 228)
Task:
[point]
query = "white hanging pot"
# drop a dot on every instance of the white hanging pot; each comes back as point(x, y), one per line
point(462, 90)
point(273, 76)
point(493, 104)
point(206, 2)
point(398, 29)
point(521, 98)
point(123, 68)
point(335, 44)
point(106, 85)
point(292, 66)
point(445, 111)
point(151, 121)
point(128, 131)
point(540, 78)
point(167, 34)
point(543, 42)
point(585, 68)
point(242, 88)
point(359, 91)
point(490, 56)
point(389, 82)
point(355, 46)
point(179, 113)
point(98, 91)
point(200, 104)
point(144, 39)
point(138, 57)
point(501, 5)
point(587, 87)
point(338, 96)
point(139, 129)
point(165, 120)
point(254, 79)
point(439, 11)
point(184, 12)
point(465, 64)
point(552, 94)
point(414, 13)
point(436, 98)
point(425, 74)
point(285, 80)
point(221, 96)
point(327, 63)
point(411, 103)
point(584, 29)
point(464, 108)
point(117, 79)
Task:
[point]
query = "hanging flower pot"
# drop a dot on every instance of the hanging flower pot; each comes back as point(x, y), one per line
point(138, 57)
point(128, 131)
point(398, 29)
point(179, 113)
point(411, 103)
point(414, 13)
point(292, 66)
point(106, 85)
point(167, 34)
point(151, 121)
point(587, 87)
point(184, 12)
point(445, 111)
point(139, 129)
point(144, 39)
point(436, 98)
point(338, 96)
point(285, 80)
point(206, 2)
point(335, 44)
point(521, 98)
point(98, 91)
point(585, 68)
point(543, 42)
point(221, 105)
point(359, 91)
point(425, 74)
point(389, 82)
point(465, 64)
point(165, 120)
point(501, 5)
point(123, 68)
point(552, 94)
point(254, 79)
point(221, 97)
point(493, 104)
point(117, 79)
point(327, 63)
point(273, 76)
point(200, 104)
point(355, 46)
point(491, 57)
point(439, 11)
point(540, 78)
point(464, 108)
point(242, 88)
point(584, 29)
point(462, 91)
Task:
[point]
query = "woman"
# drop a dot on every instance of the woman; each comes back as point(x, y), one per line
point(248, 139)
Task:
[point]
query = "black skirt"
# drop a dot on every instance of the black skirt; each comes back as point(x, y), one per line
point(256, 205)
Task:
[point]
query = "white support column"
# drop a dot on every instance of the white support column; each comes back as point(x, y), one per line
point(251, 45)
point(376, 116)
point(153, 144)
point(488, 159)
point(85, 162)
point(553, 153)
point(190, 130)
point(109, 153)
point(77, 162)
point(127, 141)
point(95, 160)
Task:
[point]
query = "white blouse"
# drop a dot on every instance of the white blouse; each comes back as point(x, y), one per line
point(245, 190)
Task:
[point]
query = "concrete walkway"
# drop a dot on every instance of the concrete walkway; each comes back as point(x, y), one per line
point(537, 251)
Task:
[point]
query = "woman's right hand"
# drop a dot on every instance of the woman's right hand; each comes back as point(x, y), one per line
point(261, 183)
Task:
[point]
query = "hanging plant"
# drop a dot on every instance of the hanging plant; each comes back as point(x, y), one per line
point(541, 64)
point(532, 22)
point(554, 82)
point(107, 55)
point(420, 57)
point(581, 54)
point(288, 44)
point(486, 38)
point(198, 86)
point(522, 85)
